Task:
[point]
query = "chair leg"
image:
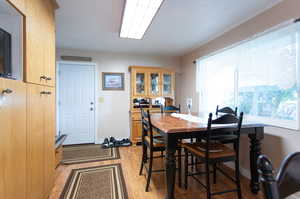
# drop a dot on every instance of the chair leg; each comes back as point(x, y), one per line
point(208, 191)
point(179, 166)
point(186, 167)
point(238, 181)
point(192, 157)
point(192, 162)
point(144, 157)
point(150, 171)
point(215, 173)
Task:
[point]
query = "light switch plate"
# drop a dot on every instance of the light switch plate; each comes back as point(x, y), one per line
point(101, 99)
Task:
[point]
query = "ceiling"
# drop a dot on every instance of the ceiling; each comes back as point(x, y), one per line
point(179, 27)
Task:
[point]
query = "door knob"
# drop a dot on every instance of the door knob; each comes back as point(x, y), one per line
point(48, 78)
point(43, 93)
point(91, 109)
point(92, 103)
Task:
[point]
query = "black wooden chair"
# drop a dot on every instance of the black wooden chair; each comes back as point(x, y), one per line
point(286, 182)
point(153, 143)
point(226, 110)
point(211, 153)
point(225, 138)
point(170, 109)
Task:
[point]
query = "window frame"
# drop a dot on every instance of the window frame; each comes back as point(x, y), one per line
point(281, 123)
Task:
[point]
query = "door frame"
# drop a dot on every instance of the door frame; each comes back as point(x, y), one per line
point(96, 87)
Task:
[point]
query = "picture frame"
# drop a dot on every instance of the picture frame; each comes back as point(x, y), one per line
point(112, 81)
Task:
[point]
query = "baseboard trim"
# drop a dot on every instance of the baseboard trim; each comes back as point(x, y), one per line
point(99, 141)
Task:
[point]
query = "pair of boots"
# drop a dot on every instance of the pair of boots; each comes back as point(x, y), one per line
point(112, 142)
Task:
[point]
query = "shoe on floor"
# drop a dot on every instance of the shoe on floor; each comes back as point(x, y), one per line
point(105, 144)
point(112, 140)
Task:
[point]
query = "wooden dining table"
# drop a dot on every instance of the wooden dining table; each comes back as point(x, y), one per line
point(174, 129)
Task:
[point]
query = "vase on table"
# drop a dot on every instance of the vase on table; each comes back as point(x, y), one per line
point(189, 103)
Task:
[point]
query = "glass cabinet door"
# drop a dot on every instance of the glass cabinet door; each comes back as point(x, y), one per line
point(154, 84)
point(140, 83)
point(167, 84)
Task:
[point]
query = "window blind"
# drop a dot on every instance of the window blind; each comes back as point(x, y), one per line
point(260, 76)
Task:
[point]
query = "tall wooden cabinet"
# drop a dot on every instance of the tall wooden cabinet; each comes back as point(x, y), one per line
point(40, 139)
point(149, 85)
point(49, 139)
point(40, 76)
point(12, 139)
point(35, 142)
point(40, 43)
point(27, 109)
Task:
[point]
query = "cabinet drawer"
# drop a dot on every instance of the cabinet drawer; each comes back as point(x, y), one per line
point(136, 116)
point(136, 131)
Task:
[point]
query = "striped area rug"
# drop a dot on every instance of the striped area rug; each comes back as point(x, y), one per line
point(101, 182)
point(88, 153)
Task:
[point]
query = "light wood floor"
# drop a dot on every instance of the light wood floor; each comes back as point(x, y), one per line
point(130, 161)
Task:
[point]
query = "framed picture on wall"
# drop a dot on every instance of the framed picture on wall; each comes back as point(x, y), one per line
point(112, 81)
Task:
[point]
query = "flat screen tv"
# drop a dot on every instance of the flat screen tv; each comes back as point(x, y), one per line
point(5, 54)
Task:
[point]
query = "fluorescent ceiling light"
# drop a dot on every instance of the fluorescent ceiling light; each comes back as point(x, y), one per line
point(137, 17)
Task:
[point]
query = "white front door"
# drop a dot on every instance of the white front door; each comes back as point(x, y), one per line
point(76, 102)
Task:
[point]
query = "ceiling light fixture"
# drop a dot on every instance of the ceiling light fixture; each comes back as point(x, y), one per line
point(137, 17)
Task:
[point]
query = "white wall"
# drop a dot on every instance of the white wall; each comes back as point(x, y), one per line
point(13, 25)
point(113, 111)
point(278, 142)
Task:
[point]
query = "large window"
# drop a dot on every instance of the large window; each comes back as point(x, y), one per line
point(260, 76)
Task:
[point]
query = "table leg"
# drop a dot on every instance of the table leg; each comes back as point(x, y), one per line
point(170, 166)
point(255, 151)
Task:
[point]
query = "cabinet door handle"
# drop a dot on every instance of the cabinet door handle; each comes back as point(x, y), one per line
point(7, 91)
point(45, 93)
point(43, 77)
point(48, 78)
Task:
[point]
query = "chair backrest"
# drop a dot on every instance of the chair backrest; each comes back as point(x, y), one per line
point(147, 129)
point(230, 119)
point(233, 120)
point(287, 181)
point(170, 109)
point(226, 110)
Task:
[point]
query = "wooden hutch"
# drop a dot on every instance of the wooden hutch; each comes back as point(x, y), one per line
point(150, 87)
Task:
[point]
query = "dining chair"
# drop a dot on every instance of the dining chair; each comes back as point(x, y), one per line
point(211, 153)
point(226, 110)
point(170, 109)
point(152, 144)
point(286, 182)
point(225, 138)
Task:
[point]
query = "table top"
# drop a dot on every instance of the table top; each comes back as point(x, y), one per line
point(169, 124)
